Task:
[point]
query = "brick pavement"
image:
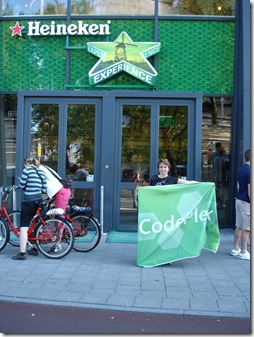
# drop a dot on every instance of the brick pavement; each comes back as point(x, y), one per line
point(108, 278)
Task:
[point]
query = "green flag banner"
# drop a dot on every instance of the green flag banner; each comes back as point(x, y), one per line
point(176, 222)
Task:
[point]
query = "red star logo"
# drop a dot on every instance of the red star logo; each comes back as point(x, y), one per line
point(17, 29)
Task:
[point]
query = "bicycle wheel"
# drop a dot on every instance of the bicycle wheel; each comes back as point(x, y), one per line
point(4, 233)
point(48, 231)
point(15, 218)
point(87, 232)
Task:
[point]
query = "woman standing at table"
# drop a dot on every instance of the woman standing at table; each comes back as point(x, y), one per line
point(164, 177)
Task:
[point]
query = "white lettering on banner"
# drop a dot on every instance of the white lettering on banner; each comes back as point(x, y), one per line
point(34, 29)
point(172, 224)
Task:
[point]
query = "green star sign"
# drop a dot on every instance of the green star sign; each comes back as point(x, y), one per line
point(123, 55)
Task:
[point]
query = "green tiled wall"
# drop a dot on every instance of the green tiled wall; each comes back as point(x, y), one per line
point(195, 56)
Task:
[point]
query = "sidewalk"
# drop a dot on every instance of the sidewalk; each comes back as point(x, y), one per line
point(108, 278)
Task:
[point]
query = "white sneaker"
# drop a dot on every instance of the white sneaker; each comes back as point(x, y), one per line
point(235, 252)
point(244, 256)
point(57, 249)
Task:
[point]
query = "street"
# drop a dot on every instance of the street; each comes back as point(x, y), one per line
point(24, 318)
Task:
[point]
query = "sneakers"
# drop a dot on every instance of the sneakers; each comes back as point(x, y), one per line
point(244, 256)
point(33, 251)
point(235, 252)
point(55, 249)
point(19, 257)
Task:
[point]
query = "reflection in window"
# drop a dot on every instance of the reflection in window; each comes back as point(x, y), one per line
point(173, 144)
point(83, 197)
point(197, 7)
point(80, 141)
point(44, 133)
point(119, 7)
point(34, 7)
point(8, 126)
point(80, 150)
point(113, 7)
point(129, 213)
point(216, 128)
point(135, 142)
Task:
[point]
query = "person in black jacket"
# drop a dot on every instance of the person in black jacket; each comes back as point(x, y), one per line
point(163, 177)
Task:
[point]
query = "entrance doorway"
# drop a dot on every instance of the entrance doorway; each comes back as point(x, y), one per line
point(108, 144)
point(62, 134)
point(148, 130)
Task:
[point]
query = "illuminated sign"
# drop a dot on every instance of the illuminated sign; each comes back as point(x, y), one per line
point(123, 55)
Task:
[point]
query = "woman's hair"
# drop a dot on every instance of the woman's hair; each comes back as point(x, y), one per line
point(165, 162)
point(32, 161)
point(247, 155)
point(222, 151)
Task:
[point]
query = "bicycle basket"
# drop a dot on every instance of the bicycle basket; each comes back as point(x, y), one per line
point(86, 209)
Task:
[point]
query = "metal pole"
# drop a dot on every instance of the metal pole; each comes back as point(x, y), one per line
point(102, 209)
point(14, 199)
point(1, 196)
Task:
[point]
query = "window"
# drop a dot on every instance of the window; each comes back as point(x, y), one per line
point(113, 7)
point(216, 128)
point(197, 7)
point(34, 7)
point(118, 7)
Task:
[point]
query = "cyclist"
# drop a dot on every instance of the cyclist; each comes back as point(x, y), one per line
point(33, 182)
point(60, 193)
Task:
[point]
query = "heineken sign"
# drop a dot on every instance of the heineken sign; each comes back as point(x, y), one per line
point(121, 55)
point(81, 28)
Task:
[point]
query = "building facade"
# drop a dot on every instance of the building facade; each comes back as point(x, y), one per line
point(100, 90)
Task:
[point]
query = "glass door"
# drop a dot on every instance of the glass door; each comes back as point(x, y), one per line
point(63, 136)
point(135, 160)
point(149, 131)
point(80, 145)
point(173, 137)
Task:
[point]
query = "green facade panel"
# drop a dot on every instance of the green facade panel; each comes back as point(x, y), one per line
point(31, 63)
point(195, 56)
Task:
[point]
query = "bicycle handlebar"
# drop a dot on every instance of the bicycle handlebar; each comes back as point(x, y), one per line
point(9, 188)
point(5, 191)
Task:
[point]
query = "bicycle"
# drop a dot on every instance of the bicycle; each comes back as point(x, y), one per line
point(44, 229)
point(86, 227)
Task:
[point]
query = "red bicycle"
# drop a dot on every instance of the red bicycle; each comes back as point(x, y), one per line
point(86, 227)
point(44, 229)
